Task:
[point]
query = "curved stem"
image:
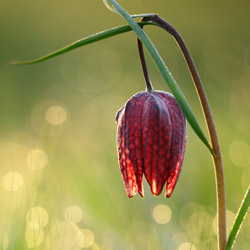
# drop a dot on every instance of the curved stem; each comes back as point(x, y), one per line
point(144, 66)
point(217, 158)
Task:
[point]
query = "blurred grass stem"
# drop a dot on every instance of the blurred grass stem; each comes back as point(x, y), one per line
point(217, 158)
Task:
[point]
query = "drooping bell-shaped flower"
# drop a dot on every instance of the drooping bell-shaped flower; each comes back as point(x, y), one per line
point(151, 140)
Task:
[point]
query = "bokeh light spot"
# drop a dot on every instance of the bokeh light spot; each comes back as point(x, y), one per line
point(162, 214)
point(37, 159)
point(187, 246)
point(64, 236)
point(239, 153)
point(56, 115)
point(73, 214)
point(87, 238)
point(34, 237)
point(37, 218)
point(13, 181)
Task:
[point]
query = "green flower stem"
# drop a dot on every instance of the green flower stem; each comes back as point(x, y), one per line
point(217, 159)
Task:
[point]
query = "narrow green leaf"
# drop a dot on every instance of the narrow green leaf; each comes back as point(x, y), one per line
point(85, 41)
point(242, 212)
point(165, 73)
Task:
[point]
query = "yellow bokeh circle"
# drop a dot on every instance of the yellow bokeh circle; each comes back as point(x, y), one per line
point(162, 214)
point(34, 237)
point(56, 115)
point(73, 214)
point(64, 236)
point(13, 181)
point(37, 218)
point(37, 159)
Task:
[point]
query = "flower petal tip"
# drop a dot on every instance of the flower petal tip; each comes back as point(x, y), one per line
point(155, 192)
point(168, 193)
point(141, 192)
point(131, 195)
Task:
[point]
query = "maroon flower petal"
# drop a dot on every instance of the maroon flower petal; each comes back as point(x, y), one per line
point(125, 166)
point(156, 130)
point(178, 141)
point(133, 153)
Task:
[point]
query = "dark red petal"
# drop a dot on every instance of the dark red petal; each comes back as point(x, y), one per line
point(156, 130)
point(178, 141)
point(126, 170)
point(132, 153)
point(133, 117)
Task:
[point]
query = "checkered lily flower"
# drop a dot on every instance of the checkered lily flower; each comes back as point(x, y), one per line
point(151, 140)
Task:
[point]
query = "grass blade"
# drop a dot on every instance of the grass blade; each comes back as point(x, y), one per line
point(85, 41)
point(242, 212)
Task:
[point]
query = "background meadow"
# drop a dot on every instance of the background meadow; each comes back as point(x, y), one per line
point(60, 184)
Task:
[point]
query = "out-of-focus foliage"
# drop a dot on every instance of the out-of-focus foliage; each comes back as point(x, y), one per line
point(61, 187)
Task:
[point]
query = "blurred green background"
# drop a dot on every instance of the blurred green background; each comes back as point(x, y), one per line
point(61, 186)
